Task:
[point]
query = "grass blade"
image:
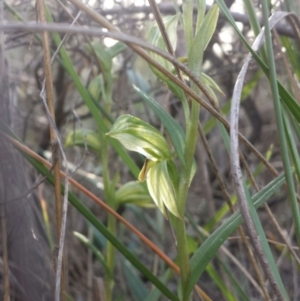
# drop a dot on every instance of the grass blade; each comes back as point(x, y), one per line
point(211, 245)
point(280, 123)
point(94, 249)
point(135, 284)
point(264, 242)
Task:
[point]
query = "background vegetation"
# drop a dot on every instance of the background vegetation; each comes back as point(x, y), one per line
point(197, 226)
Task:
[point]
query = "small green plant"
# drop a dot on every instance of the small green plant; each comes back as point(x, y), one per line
point(167, 186)
point(169, 156)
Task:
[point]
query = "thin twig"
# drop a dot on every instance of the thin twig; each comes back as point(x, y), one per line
point(271, 241)
point(164, 33)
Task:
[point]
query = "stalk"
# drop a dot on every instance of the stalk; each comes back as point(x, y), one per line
point(110, 259)
point(182, 196)
point(109, 194)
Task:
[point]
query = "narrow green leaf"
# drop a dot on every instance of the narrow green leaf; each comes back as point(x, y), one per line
point(294, 153)
point(208, 81)
point(201, 6)
point(211, 245)
point(292, 53)
point(210, 267)
point(236, 283)
point(187, 8)
point(95, 251)
point(134, 283)
point(280, 127)
point(155, 294)
point(264, 242)
point(209, 25)
point(202, 39)
point(253, 18)
point(291, 142)
point(215, 276)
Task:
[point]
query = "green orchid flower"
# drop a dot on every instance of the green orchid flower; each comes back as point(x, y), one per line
point(159, 171)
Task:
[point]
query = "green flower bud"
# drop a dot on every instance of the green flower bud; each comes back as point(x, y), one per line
point(134, 193)
point(80, 137)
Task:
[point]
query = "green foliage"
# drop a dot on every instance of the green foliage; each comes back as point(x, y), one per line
point(201, 40)
point(159, 170)
point(211, 245)
point(169, 167)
